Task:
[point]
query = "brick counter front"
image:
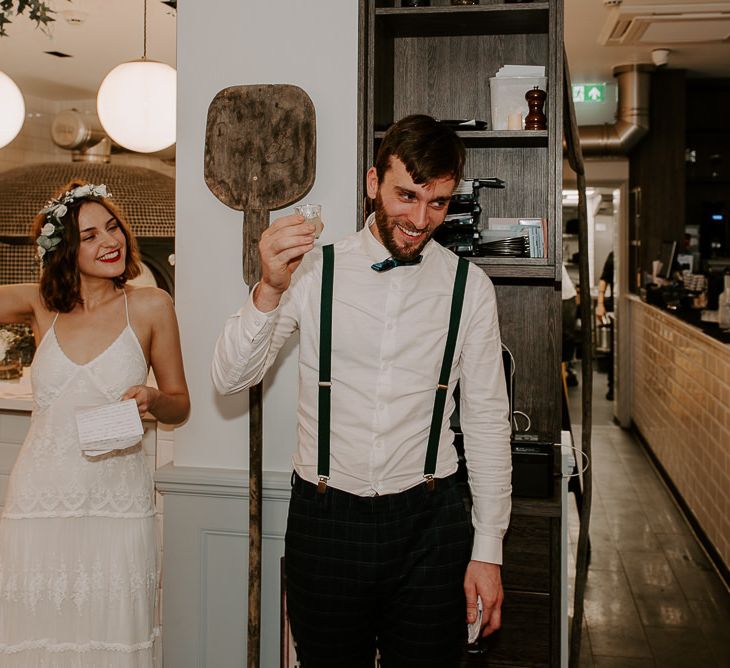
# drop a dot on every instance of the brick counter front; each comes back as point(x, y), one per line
point(680, 404)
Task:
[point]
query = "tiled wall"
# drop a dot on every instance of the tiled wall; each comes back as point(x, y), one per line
point(34, 143)
point(681, 406)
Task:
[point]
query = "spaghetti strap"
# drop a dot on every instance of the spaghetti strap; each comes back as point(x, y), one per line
point(126, 306)
point(53, 324)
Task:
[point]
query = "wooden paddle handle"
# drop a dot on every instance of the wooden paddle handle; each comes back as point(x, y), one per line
point(255, 222)
point(255, 403)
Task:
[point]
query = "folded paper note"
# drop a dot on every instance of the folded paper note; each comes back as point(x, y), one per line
point(474, 629)
point(114, 426)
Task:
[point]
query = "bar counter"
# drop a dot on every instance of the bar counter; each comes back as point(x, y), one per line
point(680, 405)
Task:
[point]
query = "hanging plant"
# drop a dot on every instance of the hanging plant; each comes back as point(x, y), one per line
point(38, 11)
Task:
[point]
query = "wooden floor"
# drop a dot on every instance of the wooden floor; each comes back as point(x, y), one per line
point(653, 598)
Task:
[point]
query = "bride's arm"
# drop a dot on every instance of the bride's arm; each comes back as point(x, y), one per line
point(18, 302)
point(169, 402)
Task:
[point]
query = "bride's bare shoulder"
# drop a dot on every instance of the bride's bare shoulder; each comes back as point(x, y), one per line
point(147, 299)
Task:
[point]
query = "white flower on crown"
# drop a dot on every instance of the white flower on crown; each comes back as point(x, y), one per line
point(80, 191)
point(56, 209)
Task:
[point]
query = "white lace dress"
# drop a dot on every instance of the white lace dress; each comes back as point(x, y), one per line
point(78, 571)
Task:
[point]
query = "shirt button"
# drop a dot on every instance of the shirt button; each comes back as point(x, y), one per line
point(378, 444)
point(389, 325)
point(381, 406)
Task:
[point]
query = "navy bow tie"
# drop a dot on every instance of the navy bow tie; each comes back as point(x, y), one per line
point(392, 262)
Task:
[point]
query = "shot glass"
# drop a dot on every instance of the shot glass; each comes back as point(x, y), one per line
point(313, 214)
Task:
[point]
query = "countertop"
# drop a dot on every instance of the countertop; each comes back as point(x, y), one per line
point(692, 317)
point(17, 395)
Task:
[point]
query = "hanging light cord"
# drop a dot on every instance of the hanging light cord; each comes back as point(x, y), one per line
point(144, 55)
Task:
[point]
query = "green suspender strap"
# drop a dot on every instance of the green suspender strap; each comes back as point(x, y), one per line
point(457, 302)
point(325, 368)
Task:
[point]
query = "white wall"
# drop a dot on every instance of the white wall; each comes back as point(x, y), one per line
point(310, 43)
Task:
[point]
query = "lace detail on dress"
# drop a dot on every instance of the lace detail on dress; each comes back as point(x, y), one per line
point(50, 646)
point(56, 480)
point(83, 585)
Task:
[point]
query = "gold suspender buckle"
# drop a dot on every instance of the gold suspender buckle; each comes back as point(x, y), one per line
point(322, 484)
point(430, 482)
point(442, 387)
point(324, 383)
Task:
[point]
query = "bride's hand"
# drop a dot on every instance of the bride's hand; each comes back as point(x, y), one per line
point(145, 396)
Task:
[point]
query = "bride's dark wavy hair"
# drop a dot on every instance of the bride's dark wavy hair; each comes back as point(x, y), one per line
point(60, 282)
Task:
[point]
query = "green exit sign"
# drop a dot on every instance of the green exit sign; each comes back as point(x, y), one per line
point(591, 92)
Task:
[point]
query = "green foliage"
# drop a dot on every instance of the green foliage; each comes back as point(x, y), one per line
point(38, 11)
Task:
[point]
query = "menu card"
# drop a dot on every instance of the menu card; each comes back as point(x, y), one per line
point(114, 426)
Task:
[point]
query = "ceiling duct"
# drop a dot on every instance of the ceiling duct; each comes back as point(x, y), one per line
point(632, 115)
point(83, 135)
point(642, 23)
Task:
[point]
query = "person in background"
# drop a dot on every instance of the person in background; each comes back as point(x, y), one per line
point(379, 550)
point(569, 293)
point(78, 571)
point(604, 304)
point(605, 286)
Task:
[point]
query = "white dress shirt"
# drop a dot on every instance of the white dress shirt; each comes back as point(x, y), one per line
point(388, 337)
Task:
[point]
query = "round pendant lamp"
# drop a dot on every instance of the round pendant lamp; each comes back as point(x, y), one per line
point(12, 110)
point(136, 103)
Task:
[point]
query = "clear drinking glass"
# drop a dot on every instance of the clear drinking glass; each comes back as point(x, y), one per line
point(313, 214)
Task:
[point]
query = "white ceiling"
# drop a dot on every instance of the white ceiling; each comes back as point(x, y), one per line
point(590, 61)
point(113, 33)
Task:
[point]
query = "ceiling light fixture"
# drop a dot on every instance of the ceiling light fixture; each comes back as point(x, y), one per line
point(136, 103)
point(13, 110)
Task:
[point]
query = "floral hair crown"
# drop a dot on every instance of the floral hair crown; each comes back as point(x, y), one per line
point(52, 232)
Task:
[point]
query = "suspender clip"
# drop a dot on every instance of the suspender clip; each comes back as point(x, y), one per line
point(325, 383)
point(322, 484)
point(430, 482)
point(442, 387)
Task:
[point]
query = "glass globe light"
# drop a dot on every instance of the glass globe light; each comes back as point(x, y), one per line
point(12, 110)
point(136, 105)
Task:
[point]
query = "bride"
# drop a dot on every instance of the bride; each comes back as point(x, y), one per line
point(78, 559)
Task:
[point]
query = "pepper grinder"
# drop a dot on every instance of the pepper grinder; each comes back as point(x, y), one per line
point(536, 119)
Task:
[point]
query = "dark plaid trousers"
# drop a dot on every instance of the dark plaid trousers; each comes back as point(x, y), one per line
point(385, 571)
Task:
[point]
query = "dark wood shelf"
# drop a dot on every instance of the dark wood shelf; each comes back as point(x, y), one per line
point(497, 138)
point(509, 267)
point(509, 19)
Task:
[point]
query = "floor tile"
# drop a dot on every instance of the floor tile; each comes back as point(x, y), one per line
point(680, 648)
point(622, 662)
point(713, 623)
point(613, 621)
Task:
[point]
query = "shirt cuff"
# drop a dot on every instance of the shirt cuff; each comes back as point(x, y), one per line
point(487, 548)
point(256, 323)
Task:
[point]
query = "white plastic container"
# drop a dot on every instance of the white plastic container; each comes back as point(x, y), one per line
point(508, 104)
